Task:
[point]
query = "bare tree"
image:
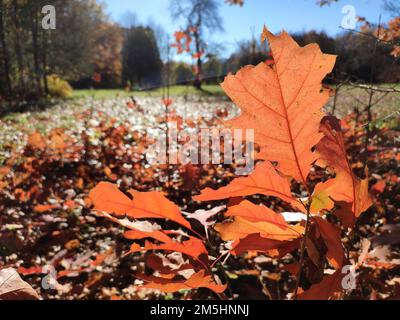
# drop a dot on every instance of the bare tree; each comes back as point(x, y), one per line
point(393, 6)
point(200, 17)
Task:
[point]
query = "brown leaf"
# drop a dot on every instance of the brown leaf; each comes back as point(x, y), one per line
point(12, 287)
point(273, 248)
point(326, 289)
point(345, 187)
point(333, 240)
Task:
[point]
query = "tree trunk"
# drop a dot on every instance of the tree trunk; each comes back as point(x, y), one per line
point(44, 61)
point(34, 30)
point(198, 80)
point(18, 50)
point(4, 52)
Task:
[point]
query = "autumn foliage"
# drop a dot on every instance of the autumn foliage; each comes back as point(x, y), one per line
point(283, 102)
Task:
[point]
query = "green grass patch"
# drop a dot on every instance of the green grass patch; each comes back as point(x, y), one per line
point(175, 91)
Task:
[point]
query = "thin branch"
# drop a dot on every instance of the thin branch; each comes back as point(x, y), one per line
point(302, 253)
point(388, 42)
point(374, 88)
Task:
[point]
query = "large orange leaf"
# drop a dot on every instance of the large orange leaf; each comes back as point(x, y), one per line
point(273, 248)
point(333, 240)
point(197, 280)
point(345, 186)
point(283, 103)
point(192, 247)
point(107, 197)
point(263, 180)
point(250, 218)
point(326, 289)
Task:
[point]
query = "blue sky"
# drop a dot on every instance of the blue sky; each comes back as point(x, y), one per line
point(291, 15)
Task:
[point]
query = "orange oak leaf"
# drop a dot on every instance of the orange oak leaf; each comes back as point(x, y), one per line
point(193, 247)
point(283, 103)
point(250, 218)
point(273, 248)
point(167, 102)
point(58, 139)
point(30, 271)
point(333, 240)
point(197, 280)
point(107, 197)
point(109, 174)
point(326, 289)
point(345, 187)
point(379, 187)
point(40, 208)
point(183, 41)
point(36, 140)
point(263, 180)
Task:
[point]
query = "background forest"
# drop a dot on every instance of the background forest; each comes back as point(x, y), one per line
point(87, 49)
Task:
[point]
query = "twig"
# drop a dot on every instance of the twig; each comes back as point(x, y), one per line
point(371, 87)
point(382, 119)
point(389, 42)
point(368, 132)
point(302, 253)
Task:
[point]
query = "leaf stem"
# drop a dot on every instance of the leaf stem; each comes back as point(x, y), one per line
point(302, 253)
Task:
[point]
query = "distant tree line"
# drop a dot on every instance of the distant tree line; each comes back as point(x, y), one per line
point(30, 53)
point(141, 60)
point(88, 50)
point(357, 59)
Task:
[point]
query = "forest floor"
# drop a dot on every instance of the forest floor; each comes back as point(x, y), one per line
point(186, 103)
point(46, 221)
point(174, 91)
